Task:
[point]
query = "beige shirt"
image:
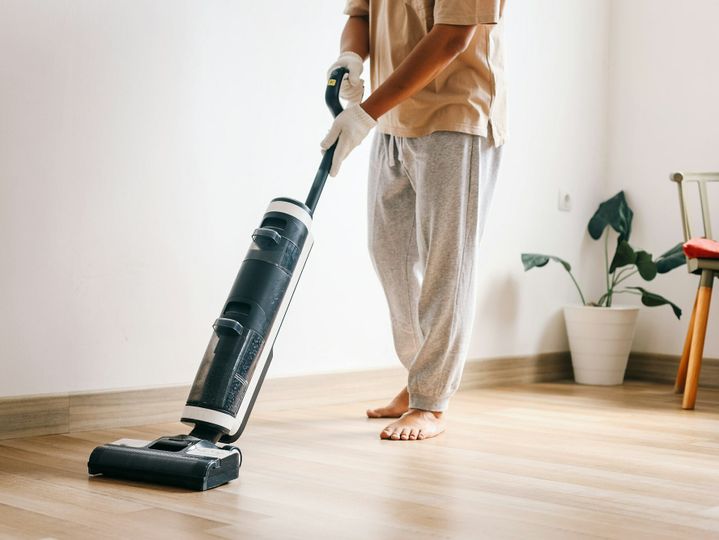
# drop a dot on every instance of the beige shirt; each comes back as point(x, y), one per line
point(469, 94)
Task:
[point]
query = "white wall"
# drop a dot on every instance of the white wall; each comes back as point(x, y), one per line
point(557, 58)
point(141, 142)
point(664, 108)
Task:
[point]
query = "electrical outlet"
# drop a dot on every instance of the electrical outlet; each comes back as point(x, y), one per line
point(564, 202)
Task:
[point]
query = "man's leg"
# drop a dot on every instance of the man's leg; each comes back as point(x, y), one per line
point(454, 176)
point(393, 249)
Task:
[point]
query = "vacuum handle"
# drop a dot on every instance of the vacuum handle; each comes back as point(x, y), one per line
point(332, 92)
point(332, 99)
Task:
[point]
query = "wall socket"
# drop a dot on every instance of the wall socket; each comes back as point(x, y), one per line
point(564, 202)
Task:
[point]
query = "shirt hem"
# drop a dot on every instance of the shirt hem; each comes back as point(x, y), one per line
point(471, 129)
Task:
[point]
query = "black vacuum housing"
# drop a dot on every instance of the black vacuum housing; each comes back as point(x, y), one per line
point(250, 314)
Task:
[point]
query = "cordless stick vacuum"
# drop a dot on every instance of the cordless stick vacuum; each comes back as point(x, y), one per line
point(238, 355)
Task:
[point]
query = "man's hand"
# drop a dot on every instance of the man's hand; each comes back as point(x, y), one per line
point(353, 124)
point(349, 129)
point(352, 85)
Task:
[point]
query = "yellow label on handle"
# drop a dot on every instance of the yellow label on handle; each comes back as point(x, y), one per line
point(332, 82)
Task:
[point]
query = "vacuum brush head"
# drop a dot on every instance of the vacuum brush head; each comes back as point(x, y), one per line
point(182, 460)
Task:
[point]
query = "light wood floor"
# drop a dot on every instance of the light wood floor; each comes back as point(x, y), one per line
point(525, 462)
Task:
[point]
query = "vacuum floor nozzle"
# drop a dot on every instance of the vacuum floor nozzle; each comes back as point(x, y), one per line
point(182, 460)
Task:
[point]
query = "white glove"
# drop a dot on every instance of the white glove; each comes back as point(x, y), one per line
point(351, 127)
point(352, 85)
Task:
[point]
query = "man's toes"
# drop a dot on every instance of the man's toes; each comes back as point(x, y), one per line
point(386, 433)
point(413, 434)
point(395, 434)
point(404, 434)
point(420, 434)
point(372, 413)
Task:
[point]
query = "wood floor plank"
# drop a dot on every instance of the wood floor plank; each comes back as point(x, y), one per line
point(550, 460)
point(17, 523)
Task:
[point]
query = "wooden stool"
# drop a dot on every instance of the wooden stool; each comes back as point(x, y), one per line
point(702, 258)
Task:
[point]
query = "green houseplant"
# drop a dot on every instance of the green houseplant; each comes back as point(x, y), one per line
point(600, 333)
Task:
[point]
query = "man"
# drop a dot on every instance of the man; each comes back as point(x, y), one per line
point(438, 102)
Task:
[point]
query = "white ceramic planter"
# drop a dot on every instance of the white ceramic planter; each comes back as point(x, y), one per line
point(600, 340)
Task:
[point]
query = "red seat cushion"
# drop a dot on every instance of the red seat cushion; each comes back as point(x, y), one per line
point(701, 248)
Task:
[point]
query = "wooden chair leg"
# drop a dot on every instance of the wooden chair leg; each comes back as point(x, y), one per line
point(684, 362)
point(697, 346)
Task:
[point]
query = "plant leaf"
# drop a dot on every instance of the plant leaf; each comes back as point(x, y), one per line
point(646, 266)
point(651, 299)
point(623, 256)
point(671, 259)
point(614, 212)
point(532, 260)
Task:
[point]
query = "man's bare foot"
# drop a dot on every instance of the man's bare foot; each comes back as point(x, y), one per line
point(396, 408)
point(415, 424)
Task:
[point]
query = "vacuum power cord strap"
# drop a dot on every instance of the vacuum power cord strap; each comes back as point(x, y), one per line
point(332, 99)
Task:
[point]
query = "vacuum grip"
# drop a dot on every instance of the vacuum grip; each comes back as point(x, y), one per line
point(332, 92)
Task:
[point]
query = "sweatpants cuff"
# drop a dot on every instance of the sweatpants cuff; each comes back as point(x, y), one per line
point(427, 403)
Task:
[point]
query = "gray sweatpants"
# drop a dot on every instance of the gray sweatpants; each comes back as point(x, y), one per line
point(428, 200)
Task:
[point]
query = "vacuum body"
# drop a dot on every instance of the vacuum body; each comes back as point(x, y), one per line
point(238, 355)
point(240, 348)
